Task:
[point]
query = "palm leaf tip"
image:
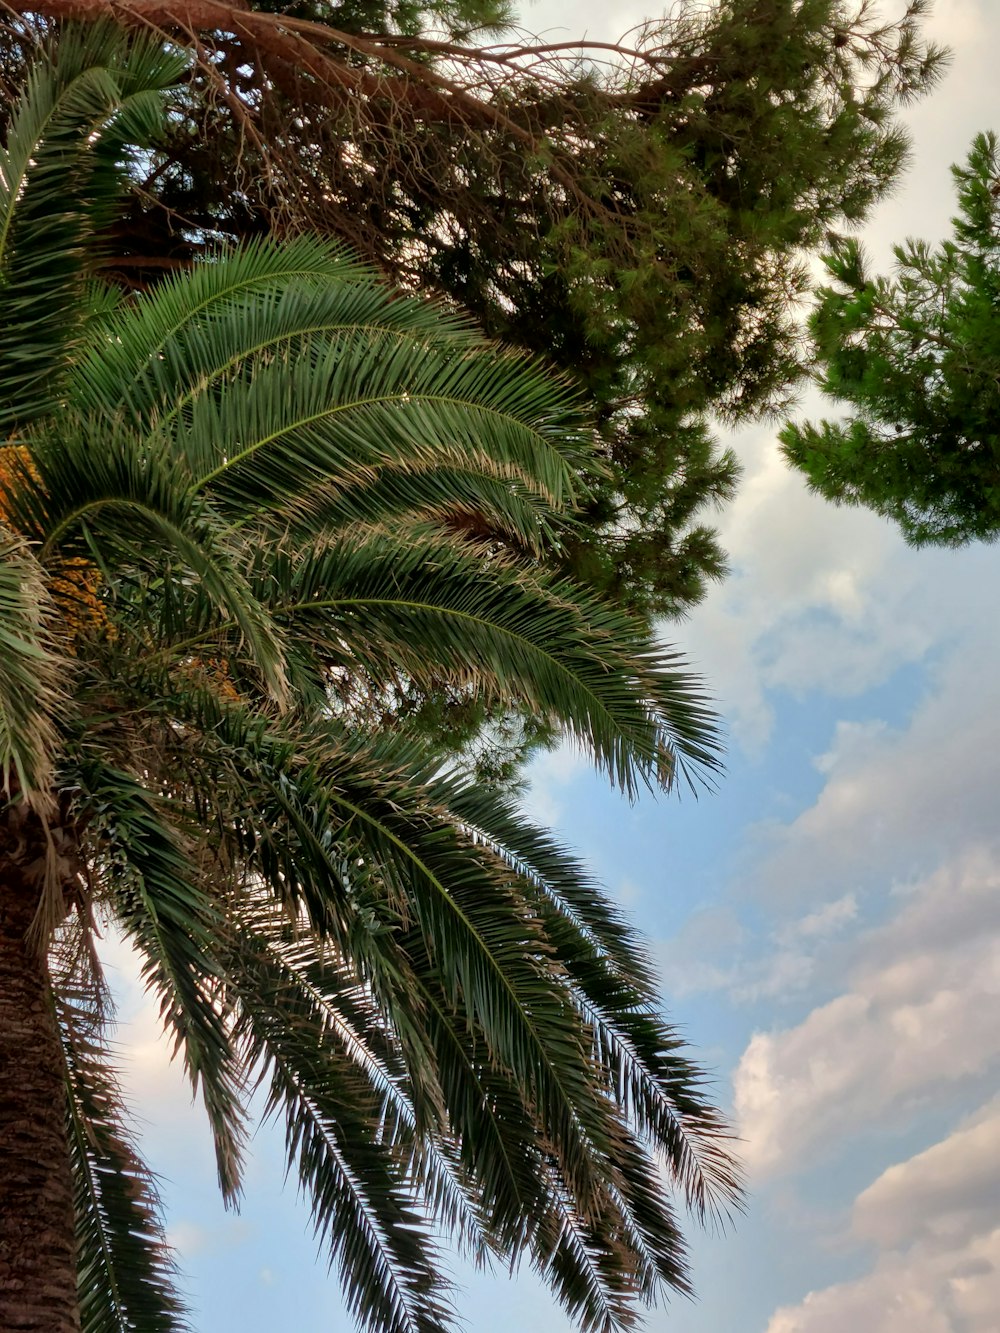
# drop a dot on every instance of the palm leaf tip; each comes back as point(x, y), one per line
point(126, 1274)
point(168, 913)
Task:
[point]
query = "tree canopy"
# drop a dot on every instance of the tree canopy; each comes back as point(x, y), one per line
point(226, 506)
point(636, 211)
point(916, 359)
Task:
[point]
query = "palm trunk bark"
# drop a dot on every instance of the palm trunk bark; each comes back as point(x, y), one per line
point(37, 1244)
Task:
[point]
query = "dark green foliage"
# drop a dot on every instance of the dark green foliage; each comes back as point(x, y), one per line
point(916, 359)
point(40, 239)
point(671, 292)
point(638, 214)
point(271, 491)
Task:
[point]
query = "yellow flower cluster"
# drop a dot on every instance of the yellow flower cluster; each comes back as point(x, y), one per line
point(213, 671)
point(14, 459)
point(74, 582)
point(75, 585)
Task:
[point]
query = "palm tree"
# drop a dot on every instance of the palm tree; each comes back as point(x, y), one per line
point(230, 510)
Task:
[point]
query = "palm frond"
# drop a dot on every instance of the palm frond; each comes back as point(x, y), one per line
point(94, 493)
point(472, 501)
point(653, 1081)
point(353, 405)
point(342, 1148)
point(342, 1013)
point(85, 109)
point(202, 329)
point(428, 607)
point(160, 903)
point(32, 675)
point(504, 1000)
point(535, 855)
point(594, 1253)
point(497, 1136)
point(126, 1274)
point(469, 926)
point(326, 360)
point(596, 1288)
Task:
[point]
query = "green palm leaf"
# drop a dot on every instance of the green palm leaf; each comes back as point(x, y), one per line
point(341, 1148)
point(98, 493)
point(335, 1008)
point(132, 342)
point(82, 113)
point(157, 897)
point(661, 1088)
point(511, 631)
point(126, 1273)
point(618, 995)
point(31, 675)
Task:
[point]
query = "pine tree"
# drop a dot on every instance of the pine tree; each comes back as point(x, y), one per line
point(636, 211)
point(916, 357)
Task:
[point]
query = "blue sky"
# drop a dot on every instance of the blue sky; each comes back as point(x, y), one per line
point(828, 924)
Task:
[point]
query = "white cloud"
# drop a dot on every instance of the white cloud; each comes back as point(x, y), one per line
point(190, 1238)
point(747, 627)
point(714, 951)
point(706, 954)
point(898, 802)
point(960, 23)
point(936, 1221)
point(918, 1018)
point(853, 742)
point(820, 598)
point(825, 921)
point(550, 774)
point(924, 1291)
point(949, 1192)
point(628, 891)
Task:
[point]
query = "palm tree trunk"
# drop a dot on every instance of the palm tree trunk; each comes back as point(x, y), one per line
point(37, 1246)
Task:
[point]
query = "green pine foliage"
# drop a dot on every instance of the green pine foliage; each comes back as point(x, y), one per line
point(915, 359)
point(232, 510)
point(638, 213)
